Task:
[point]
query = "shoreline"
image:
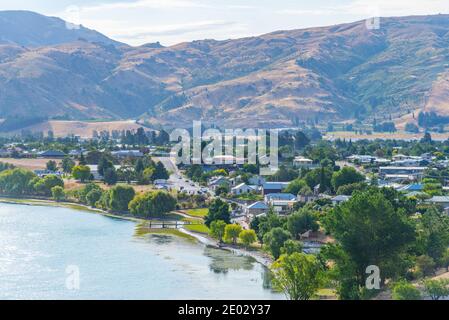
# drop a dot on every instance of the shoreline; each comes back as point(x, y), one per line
point(201, 238)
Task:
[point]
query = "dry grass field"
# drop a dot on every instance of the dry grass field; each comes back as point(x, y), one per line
point(29, 164)
point(84, 129)
point(384, 136)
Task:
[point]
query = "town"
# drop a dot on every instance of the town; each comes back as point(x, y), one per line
point(392, 196)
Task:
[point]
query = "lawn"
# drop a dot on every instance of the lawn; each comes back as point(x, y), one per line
point(200, 228)
point(197, 213)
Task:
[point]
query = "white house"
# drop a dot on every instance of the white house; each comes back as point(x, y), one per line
point(243, 188)
point(340, 199)
point(256, 209)
point(302, 162)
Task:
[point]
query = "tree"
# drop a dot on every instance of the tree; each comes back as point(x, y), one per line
point(298, 275)
point(52, 166)
point(104, 164)
point(232, 232)
point(218, 210)
point(43, 186)
point(296, 186)
point(93, 197)
point(403, 290)
point(82, 161)
point(248, 237)
point(67, 165)
point(152, 204)
point(81, 173)
point(301, 222)
point(345, 176)
point(58, 193)
point(217, 229)
point(425, 266)
point(301, 140)
point(160, 172)
point(411, 127)
point(433, 234)
point(371, 232)
point(121, 196)
point(275, 240)
point(291, 246)
point(110, 176)
point(437, 289)
point(16, 182)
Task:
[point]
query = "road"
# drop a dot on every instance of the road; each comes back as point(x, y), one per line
point(178, 182)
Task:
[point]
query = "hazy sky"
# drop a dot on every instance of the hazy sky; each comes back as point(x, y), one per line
point(172, 21)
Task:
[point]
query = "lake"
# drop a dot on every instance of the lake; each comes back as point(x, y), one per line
point(61, 253)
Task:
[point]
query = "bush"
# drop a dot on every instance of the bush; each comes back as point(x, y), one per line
point(217, 229)
point(58, 193)
point(248, 237)
point(81, 173)
point(152, 204)
point(93, 197)
point(232, 232)
point(404, 290)
point(275, 240)
point(120, 198)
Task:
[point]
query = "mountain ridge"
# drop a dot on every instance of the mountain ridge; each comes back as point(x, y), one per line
point(278, 79)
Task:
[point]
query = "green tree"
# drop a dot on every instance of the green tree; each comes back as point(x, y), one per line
point(104, 164)
point(345, 176)
point(81, 173)
point(16, 182)
point(160, 172)
point(301, 222)
point(403, 290)
point(67, 165)
point(218, 210)
point(43, 186)
point(371, 232)
point(121, 196)
point(296, 186)
point(433, 234)
point(217, 229)
point(248, 237)
point(52, 166)
point(425, 266)
point(93, 197)
point(298, 275)
point(275, 240)
point(110, 176)
point(232, 232)
point(436, 289)
point(152, 204)
point(58, 193)
point(291, 246)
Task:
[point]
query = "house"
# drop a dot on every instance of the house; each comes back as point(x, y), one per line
point(217, 182)
point(442, 201)
point(308, 197)
point(51, 154)
point(256, 209)
point(243, 188)
point(123, 154)
point(94, 171)
point(416, 172)
point(282, 203)
point(339, 200)
point(44, 173)
point(5, 153)
point(257, 181)
point(302, 162)
point(274, 187)
point(416, 187)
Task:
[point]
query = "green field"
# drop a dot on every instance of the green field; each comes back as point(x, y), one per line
point(198, 213)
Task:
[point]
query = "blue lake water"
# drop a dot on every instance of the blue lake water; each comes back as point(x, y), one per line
point(59, 253)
